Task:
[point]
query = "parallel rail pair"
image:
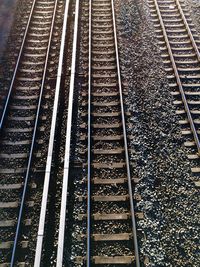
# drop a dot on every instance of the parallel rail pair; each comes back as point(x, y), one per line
point(104, 88)
point(29, 76)
point(29, 57)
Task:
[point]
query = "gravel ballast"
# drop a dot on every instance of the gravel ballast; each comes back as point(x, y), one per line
point(169, 198)
point(170, 201)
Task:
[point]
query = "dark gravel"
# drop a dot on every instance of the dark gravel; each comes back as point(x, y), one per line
point(7, 9)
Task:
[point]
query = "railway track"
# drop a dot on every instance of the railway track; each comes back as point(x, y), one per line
point(179, 45)
point(111, 227)
point(22, 125)
point(29, 130)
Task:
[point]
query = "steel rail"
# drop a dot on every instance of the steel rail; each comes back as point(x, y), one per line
point(88, 255)
point(28, 170)
point(40, 235)
point(125, 144)
point(62, 224)
point(16, 68)
point(137, 258)
point(188, 29)
point(178, 80)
